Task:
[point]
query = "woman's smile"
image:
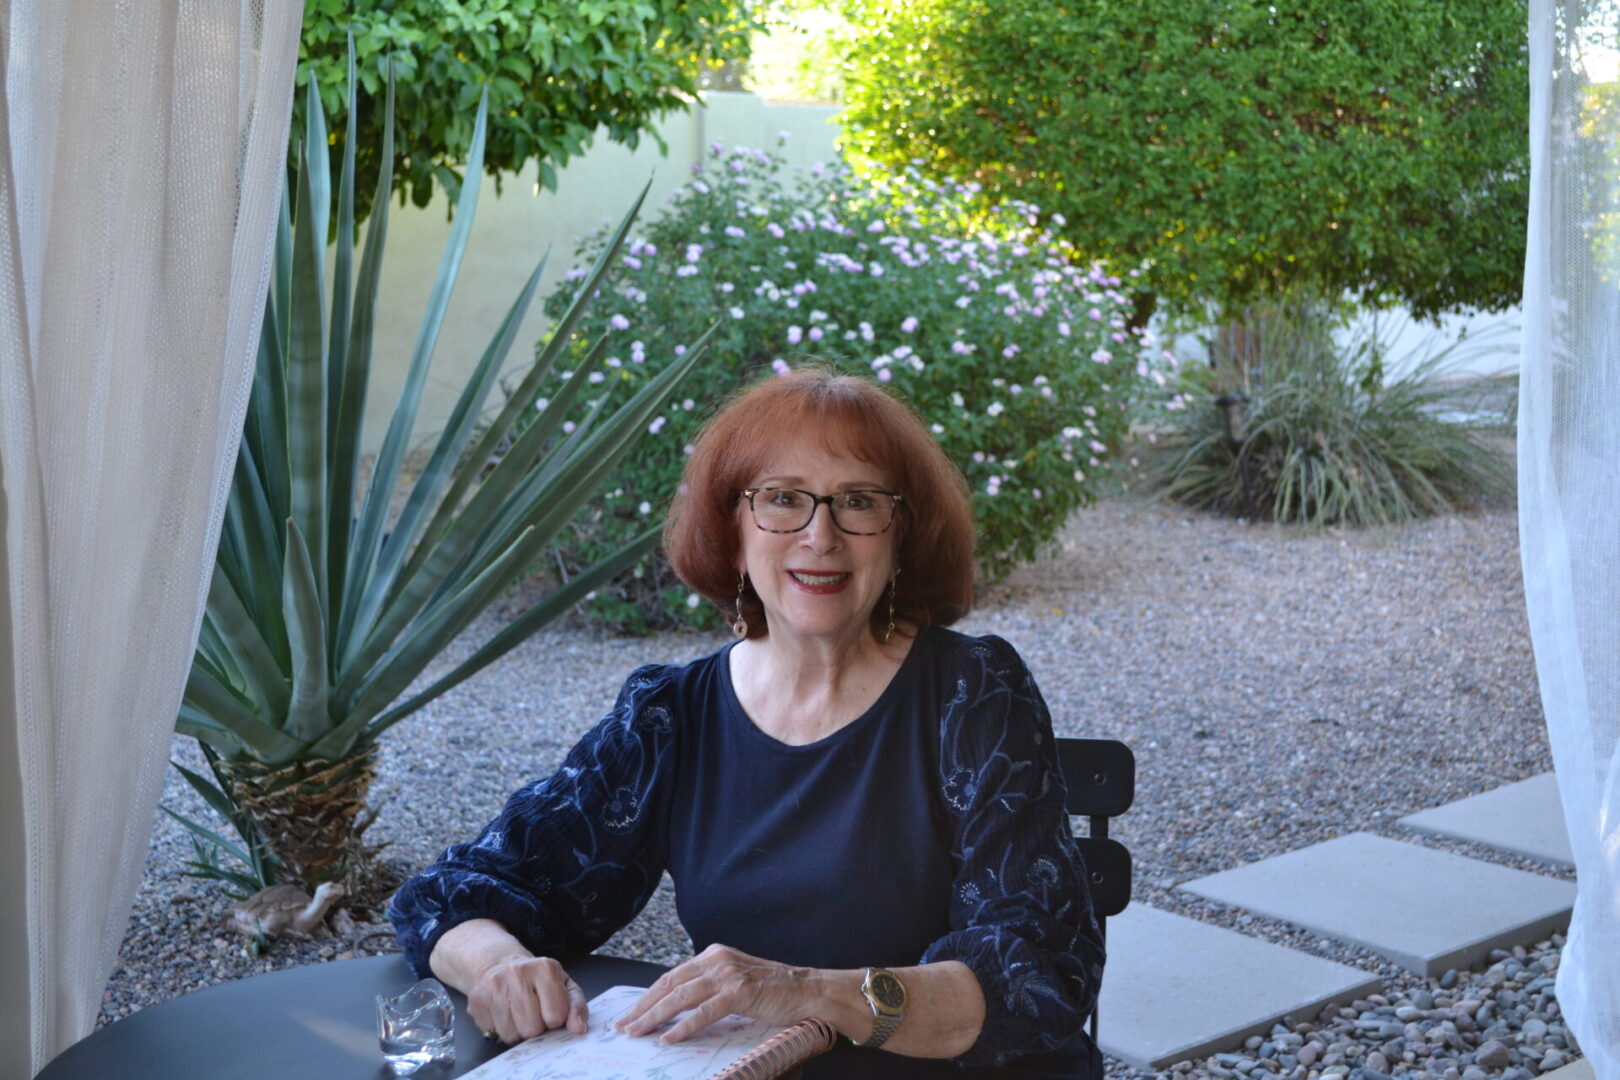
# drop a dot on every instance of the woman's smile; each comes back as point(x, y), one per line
point(824, 582)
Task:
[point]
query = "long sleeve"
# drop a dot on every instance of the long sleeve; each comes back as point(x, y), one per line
point(570, 859)
point(1020, 911)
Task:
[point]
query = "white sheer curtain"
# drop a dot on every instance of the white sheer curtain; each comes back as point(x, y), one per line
point(142, 150)
point(1569, 475)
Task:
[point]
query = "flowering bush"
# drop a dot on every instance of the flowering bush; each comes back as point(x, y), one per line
point(1018, 358)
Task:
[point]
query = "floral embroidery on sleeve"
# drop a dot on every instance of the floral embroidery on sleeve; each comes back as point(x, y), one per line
point(571, 858)
point(1021, 914)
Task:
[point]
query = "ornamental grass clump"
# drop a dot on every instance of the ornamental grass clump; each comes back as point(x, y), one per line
point(1327, 438)
point(1018, 357)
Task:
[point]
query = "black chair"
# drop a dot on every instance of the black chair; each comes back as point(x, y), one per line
point(1101, 777)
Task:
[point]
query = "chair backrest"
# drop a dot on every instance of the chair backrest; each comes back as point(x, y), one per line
point(1101, 777)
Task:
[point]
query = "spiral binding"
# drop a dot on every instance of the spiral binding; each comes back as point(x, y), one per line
point(791, 1046)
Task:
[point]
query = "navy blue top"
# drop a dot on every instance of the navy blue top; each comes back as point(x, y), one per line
point(930, 828)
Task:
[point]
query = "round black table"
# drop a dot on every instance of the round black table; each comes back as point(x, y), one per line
point(314, 1021)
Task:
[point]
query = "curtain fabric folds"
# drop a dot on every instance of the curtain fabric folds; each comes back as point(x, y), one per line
point(142, 156)
point(1569, 461)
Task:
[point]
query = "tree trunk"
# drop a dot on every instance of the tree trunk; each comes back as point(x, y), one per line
point(312, 815)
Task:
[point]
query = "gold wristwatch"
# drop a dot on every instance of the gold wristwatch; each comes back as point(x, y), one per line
point(886, 994)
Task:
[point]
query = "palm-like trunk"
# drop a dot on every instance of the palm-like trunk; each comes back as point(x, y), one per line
point(312, 816)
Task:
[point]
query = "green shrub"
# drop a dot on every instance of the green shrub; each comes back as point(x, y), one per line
point(1328, 438)
point(1016, 356)
point(1376, 148)
point(556, 71)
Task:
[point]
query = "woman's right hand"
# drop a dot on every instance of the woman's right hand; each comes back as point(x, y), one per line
point(511, 993)
point(520, 997)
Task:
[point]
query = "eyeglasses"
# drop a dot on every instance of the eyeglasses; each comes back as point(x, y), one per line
point(788, 510)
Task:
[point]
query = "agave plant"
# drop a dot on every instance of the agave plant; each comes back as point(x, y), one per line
point(1328, 438)
point(322, 613)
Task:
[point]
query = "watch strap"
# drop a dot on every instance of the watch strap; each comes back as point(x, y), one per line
point(880, 1032)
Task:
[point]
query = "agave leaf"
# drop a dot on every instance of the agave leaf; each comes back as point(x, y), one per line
point(367, 544)
point(258, 583)
point(526, 625)
point(529, 388)
point(240, 635)
point(551, 497)
point(351, 404)
point(430, 566)
point(306, 344)
point(214, 838)
point(449, 452)
point(223, 709)
point(307, 715)
point(284, 261)
point(264, 433)
point(338, 348)
point(213, 734)
point(211, 794)
point(561, 498)
point(430, 634)
point(458, 532)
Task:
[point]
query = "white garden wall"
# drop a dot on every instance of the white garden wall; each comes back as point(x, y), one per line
point(510, 233)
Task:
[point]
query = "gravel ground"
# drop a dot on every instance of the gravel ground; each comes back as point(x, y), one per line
point(1279, 688)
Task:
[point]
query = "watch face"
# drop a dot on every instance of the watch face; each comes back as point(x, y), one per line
point(887, 991)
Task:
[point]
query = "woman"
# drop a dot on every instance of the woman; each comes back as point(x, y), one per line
point(861, 810)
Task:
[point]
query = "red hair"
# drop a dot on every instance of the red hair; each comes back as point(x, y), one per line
point(934, 548)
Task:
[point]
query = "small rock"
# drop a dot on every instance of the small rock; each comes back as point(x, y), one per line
point(1449, 979)
point(1307, 1054)
point(1552, 1060)
point(1376, 1062)
point(1423, 1000)
point(1407, 1013)
point(1492, 1055)
point(1473, 1072)
point(1534, 1029)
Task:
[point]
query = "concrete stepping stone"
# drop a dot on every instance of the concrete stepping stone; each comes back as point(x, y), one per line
point(1525, 818)
point(1425, 910)
point(1175, 988)
point(1580, 1069)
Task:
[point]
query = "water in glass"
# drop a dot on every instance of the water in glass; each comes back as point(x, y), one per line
point(417, 1027)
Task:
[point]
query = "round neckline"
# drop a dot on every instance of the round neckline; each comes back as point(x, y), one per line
point(848, 731)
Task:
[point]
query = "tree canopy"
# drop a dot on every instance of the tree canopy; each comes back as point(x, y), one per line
point(556, 70)
point(1377, 148)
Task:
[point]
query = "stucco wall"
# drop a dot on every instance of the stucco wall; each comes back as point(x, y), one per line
point(511, 232)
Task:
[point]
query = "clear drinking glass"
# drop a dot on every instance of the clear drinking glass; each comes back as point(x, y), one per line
point(417, 1027)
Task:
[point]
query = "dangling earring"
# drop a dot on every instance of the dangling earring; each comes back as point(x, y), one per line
point(893, 584)
point(739, 626)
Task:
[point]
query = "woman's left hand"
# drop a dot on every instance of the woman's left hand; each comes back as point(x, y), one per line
point(714, 984)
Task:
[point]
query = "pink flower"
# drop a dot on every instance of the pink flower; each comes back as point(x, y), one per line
point(885, 375)
point(908, 324)
point(619, 322)
point(815, 333)
point(1063, 329)
point(794, 335)
point(780, 366)
point(656, 426)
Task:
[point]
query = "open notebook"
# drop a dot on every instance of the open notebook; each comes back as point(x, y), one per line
point(735, 1048)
